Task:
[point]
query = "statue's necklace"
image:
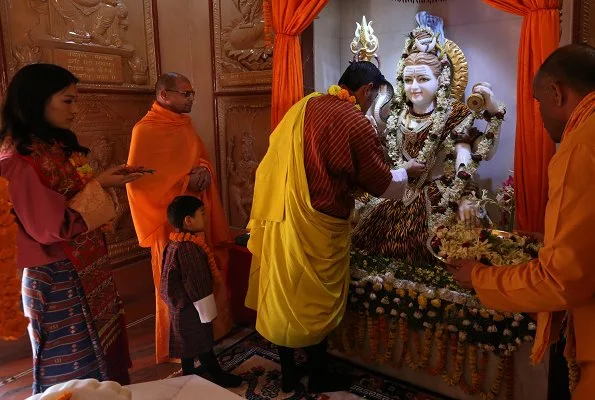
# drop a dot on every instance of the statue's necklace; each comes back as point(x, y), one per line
point(418, 118)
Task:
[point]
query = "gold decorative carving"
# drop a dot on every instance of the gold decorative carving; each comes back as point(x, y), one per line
point(244, 128)
point(241, 58)
point(364, 44)
point(460, 69)
point(584, 24)
point(104, 124)
point(98, 40)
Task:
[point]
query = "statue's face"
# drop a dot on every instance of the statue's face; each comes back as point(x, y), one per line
point(420, 84)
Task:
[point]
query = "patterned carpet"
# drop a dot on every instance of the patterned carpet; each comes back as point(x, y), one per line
point(256, 360)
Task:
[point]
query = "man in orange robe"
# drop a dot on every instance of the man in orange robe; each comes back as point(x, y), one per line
point(166, 141)
point(560, 284)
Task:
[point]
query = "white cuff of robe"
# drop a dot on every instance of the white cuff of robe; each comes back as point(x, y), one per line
point(396, 187)
point(207, 309)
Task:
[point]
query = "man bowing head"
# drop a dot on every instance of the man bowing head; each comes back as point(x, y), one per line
point(165, 140)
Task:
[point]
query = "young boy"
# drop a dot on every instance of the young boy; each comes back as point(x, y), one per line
point(186, 286)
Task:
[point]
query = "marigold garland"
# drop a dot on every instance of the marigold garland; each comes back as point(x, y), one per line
point(392, 339)
point(383, 330)
point(343, 94)
point(13, 323)
point(199, 240)
point(372, 324)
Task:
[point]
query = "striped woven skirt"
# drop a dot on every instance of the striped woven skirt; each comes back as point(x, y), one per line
point(63, 337)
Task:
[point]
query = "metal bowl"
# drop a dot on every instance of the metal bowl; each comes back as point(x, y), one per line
point(493, 232)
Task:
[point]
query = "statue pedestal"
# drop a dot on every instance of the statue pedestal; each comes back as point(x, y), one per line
point(530, 382)
point(419, 329)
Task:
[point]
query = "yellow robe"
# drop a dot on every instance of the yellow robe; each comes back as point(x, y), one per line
point(562, 279)
point(299, 278)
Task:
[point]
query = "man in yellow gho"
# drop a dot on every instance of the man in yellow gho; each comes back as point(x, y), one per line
point(323, 150)
point(560, 284)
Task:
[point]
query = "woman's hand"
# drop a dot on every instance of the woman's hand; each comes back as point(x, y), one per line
point(111, 178)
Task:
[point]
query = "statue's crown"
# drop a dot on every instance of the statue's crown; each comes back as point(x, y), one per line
point(424, 40)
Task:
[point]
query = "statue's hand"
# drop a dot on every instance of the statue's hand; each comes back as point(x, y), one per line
point(468, 213)
point(485, 89)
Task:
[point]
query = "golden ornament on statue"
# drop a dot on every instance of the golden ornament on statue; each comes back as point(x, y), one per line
point(364, 44)
point(475, 102)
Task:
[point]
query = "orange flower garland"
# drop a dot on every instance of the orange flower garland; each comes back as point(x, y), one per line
point(200, 242)
point(342, 94)
point(417, 355)
point(13, 324)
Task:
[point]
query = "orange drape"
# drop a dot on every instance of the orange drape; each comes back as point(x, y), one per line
point(289, 19)
point(13, 323)
point(540, 36)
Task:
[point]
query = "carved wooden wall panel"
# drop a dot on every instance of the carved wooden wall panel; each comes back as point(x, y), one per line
point(106, 43)
point(104, 124)
point(244, 127)
point(584, 22)
point(241, 58)
point(242, 75)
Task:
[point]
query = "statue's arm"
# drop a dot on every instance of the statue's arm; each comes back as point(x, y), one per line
point(493, 149)
point(495, 111)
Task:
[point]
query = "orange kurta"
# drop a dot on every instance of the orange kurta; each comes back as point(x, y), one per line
point(167, 142)
point(563, 277)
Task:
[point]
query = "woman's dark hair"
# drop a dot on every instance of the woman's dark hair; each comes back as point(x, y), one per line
point(180, 208)
point(23, 114)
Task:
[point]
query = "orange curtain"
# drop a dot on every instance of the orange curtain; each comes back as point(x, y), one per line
point(13, 323)
point(540, 36)
point(289, 18)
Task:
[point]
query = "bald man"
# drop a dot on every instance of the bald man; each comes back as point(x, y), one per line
point(166, 141)
point(560, 283)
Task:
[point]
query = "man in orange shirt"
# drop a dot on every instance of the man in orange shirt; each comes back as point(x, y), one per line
point(166, 141)
point(560, 284)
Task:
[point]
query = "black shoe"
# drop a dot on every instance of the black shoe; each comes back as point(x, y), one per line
point(289, 372)
point(211, 364)
point(329, 383)
point(228, 380)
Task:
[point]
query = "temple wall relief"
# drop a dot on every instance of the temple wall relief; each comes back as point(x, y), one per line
point(584, 26)
point(106, 43)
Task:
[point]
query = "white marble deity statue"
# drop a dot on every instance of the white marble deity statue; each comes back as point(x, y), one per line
point(427, 122)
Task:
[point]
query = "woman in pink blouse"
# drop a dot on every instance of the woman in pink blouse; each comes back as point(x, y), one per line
point(77, 326)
